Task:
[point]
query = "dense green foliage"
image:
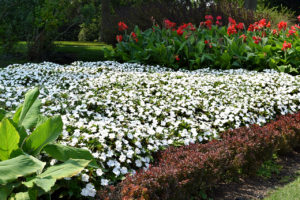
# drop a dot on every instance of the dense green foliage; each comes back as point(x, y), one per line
point(20, 151)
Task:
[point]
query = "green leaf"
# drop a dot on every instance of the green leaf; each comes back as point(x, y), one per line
point(30, 110)
point(9, 139)
point(20, 166)
point(44, 134)
point(45, 183)
point(29, 195)
point(67, 169)
point(64, 153)
point(2, 114)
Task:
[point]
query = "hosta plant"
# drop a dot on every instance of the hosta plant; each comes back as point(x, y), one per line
point(23, 135)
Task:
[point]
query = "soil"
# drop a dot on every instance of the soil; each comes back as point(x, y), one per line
point(254, 188)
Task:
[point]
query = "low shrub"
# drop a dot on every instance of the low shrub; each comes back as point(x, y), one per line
point(212, 45)
point(182, 172)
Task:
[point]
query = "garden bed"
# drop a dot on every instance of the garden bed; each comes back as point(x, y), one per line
point(123, 113)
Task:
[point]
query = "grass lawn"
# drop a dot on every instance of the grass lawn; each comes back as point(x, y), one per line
point(290, 191)
point(68, 50)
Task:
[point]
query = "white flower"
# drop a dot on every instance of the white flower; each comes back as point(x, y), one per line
point(104, 182)
point(53, 161)
point(138, 163)
point(99, 172)
point(85, 178)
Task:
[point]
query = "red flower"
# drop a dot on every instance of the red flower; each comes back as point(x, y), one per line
point(296, 25)
point(298, 18)
point(201, 24)
point(122, 26)
point(251, 27)
point(291, 32)
point(282, 25)
point(218, 23)
point(209, 17)
point(262, 23)
point(180, 31)
point(208, 23)
point(244, 37)
point(169, 24)
point(240, 26)
point(206, 41)
point(177, 58)
point(268, 25)
point(256, 39)
point(119, 38)
point(231, 30)
point(286, 46)
point(219, 17)
point(231, 21)
point(133, 35)
point(274, 32)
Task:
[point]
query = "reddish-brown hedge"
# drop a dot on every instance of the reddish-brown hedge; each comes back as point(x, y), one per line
point(182, 172)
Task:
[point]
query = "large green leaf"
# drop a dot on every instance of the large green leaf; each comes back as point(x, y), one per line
point(20, 166)
point(44, 134)
point(30, 110)
point(64, 153)
point(2, 114)
point(9, 139)
point(47, 179)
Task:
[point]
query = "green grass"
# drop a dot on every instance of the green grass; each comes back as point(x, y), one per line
point(288, 192)
point(73, 50)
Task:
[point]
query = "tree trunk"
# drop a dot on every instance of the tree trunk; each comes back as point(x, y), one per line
point(250, 4)
point(105, 23)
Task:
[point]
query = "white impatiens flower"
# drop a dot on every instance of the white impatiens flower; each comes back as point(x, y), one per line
point(124, 112)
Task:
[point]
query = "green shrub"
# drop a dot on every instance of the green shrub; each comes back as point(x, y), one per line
point(19, 152)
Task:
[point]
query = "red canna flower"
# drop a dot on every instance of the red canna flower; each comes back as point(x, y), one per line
point(251, 28)
point(122, 26)
point(180, 31)
point(256, 39)
point(177, 58)
point(286, 46)
point(134, 36)
point(209, 17)
point(274, 32)
point(169, 24)
point(218, 23)
point(282, 25)
point(219, 18)
point(291, 32)
point(297, 26)
point(231, 21)
point(231, 30)
point(208, 23)
point(244, 37)
point(206, 41)
point(298, 18)
point(240, 26)
point(262, 23)
point(119, 38)
point(268, 25)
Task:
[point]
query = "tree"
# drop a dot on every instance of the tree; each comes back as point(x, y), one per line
point(105, 25)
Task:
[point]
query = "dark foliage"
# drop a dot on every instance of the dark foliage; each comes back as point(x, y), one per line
point(181, 172)
point(291, 4)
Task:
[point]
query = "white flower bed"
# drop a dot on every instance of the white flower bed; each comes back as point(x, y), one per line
point(125, 112)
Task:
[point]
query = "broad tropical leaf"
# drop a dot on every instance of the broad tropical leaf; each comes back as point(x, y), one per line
point(20, 166)
point(44, 134)
point(2, 114)
point(64, 153)
point(9, 139)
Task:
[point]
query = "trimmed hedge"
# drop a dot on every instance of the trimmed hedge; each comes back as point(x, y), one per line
point(181, 172)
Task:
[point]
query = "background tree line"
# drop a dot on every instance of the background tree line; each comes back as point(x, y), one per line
point(41, 22)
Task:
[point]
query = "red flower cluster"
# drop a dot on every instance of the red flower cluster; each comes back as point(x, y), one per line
point(244, 37)
point(119, 38)
point(207, 42)
point(134, 37)
point(286, 46)
point(188, 26)
point(282, 25)
point(169, 24)
point(122, 26)
point(177, 58)
point(209, 17)
point(231, 30)
point(240, 26)
point(256, 39)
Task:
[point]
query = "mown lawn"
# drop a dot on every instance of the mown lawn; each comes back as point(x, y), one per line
point(290, 191)
point(65, 51)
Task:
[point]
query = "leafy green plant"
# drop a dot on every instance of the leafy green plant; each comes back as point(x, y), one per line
point(22, 175)
point(269, 167)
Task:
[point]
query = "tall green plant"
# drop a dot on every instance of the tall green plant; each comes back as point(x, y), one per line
point(22, 175)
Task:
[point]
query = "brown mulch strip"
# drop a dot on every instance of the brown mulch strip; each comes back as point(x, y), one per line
point(254, 188)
